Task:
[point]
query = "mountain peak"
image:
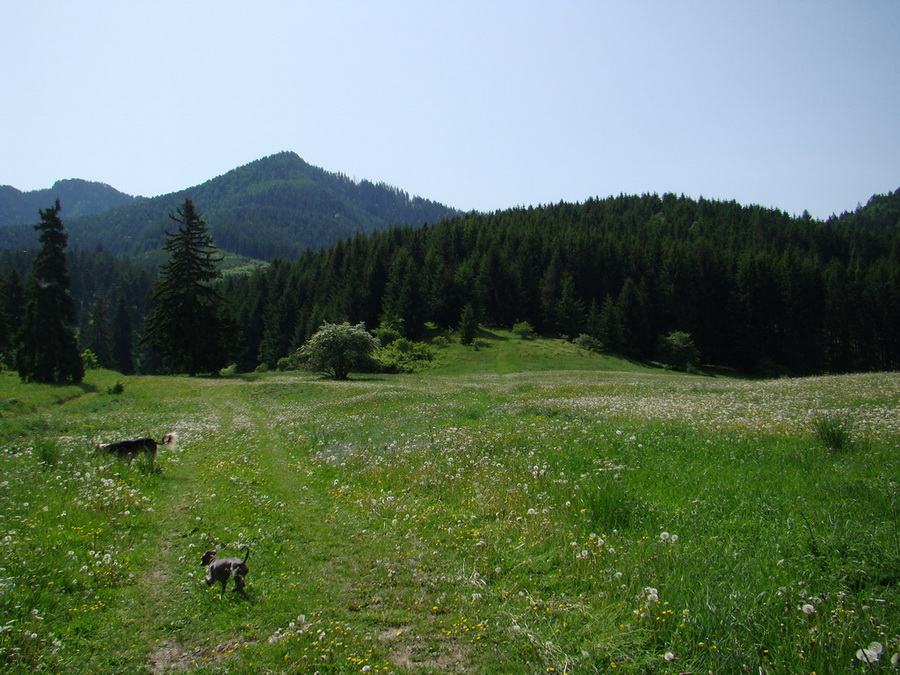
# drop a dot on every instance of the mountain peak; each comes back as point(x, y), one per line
point(276, 206)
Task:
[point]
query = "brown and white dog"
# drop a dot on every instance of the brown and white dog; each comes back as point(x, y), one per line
point(139, 446)
point(220, 569)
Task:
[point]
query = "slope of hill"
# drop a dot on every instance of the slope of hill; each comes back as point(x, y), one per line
point(78, 198)
point(276, 206)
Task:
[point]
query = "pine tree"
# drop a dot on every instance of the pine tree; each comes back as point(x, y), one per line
point(48, 350)
point(569, 310)
point(12, 305)
point(468, 325)
point(123, 340)
point(402, 303)
point(187, 325)
point(96, 334)
point(611, 330)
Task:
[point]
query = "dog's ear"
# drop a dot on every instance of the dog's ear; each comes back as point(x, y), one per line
point(208, 557)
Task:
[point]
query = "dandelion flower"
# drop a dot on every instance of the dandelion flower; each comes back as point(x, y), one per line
point(669, 656)
point(871, 654)
point(808, 609)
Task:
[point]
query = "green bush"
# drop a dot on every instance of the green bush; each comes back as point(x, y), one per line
point(589, 343)
point(404, 356)
point(387, 333)
point(677, 350)
point(116, 388)
point(89, 359)
point(523, 329)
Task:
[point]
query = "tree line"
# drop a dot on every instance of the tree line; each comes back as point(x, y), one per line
point(754, 288)
point(757, 289)
point(185, 329)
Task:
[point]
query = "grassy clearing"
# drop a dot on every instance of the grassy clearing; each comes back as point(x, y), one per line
point(477, 517)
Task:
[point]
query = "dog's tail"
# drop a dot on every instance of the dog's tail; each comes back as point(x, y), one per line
point(169, 441)
point(247, 554)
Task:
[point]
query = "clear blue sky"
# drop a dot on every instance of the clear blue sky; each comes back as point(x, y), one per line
point(478, 104)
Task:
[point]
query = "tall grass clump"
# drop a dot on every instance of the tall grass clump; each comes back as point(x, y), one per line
point(834, 431)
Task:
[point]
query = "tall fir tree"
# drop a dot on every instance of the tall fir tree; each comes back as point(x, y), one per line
point(187, 325)
point(123, 339)
point(468, 325)
point(12, 305)
point(48, 350)
point(96, 334)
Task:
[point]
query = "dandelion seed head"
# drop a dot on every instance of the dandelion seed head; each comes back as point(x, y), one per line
point(871, 654)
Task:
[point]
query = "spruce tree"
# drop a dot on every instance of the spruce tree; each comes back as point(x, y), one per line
point(468, 325)
point(96, 334)
point(122, 340)
point(187, 325)
point(48, 350)
point(12, 305)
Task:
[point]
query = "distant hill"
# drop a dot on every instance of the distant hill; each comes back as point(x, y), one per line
point(78, 197)
point(278, 206)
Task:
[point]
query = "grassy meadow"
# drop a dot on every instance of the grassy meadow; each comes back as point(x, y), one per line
point(526, 507)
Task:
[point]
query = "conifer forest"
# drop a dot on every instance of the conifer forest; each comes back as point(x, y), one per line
point(759, 291)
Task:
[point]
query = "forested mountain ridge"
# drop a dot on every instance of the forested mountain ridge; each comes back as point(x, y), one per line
point(276, 206)
point(78, 197)
point(758, 290)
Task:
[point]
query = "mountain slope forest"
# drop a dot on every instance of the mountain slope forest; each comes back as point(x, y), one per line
point(758, 290)
point(276, 206)
point(81, 198)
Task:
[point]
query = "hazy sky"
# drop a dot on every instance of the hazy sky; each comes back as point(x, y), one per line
point(480, 105)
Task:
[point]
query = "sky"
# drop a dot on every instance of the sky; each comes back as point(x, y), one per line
point(481, 105)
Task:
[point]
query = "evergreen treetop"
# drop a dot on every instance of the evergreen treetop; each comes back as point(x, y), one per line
point(48, 350)
point(187, 326)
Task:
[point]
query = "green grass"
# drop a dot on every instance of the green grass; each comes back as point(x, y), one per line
point(520, 507)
